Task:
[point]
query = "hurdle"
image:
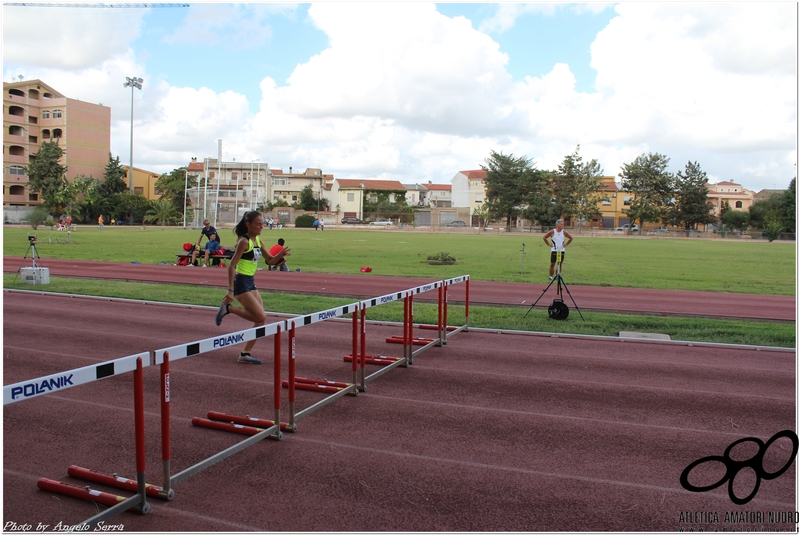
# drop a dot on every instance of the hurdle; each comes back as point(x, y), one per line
point(359, 352)
point(335, 389)
point(61, 381)
point(163, 357)
point(446, 331)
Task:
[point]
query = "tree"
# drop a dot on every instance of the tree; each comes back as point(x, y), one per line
point(126, 204)
point(577, 187)
point(481, 213)
point(309, 202)
point(724, 209)
point(691, 206)
point(788, 207)
point(735, 219)
point(173, 187)
point(544, 208)
point(652, 188)
point(47, 176)
point(112, 181)
point(162, 212)
point(761, 209)
point(511, 184)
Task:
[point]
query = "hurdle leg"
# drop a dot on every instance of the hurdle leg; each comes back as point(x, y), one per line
point(277, 383)
point(292, 424)
point(138, 399)
point(166, 439)
point(355, 315)
point(441, 336)
point(363, 348)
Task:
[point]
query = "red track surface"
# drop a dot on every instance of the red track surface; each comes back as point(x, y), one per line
point(493, 432)
point(665, 302)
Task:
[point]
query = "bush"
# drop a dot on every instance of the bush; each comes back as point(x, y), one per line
point(304, 221)
point(38, 216)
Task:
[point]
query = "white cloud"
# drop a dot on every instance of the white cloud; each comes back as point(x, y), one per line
point(67, 38)
point(403, 92)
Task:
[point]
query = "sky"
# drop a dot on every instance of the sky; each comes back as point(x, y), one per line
point(416, 92)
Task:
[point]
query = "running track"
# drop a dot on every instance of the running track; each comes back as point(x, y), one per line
point(630, 300)
point(493, 432)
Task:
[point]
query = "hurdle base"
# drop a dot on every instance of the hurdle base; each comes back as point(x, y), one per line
point(248, 421)
point(123, 483)
point(375, 359)
point(435, 327)
point(232, 428)
point(417, 341)
point(321, 385)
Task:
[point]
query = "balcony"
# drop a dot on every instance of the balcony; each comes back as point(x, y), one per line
point(19, 200)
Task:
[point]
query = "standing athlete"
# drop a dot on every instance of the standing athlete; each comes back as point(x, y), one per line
point(559, 240)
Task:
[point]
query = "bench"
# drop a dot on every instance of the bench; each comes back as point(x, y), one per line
point(214, 258)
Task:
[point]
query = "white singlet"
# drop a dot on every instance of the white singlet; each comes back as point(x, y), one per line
point(557, 241)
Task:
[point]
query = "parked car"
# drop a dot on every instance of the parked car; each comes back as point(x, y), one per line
point(349, 220)
point(457, 224)
point(382, 222)
point(625, 226)
point(658, 230)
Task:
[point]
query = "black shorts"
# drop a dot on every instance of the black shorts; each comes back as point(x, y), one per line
point(554, 256)
point(243, 284)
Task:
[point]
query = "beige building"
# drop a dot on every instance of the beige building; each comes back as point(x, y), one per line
point(143, 182)
point(347, 195)
point(739, 197)
point(287, 186)
point(468, 189)
point(33, 113)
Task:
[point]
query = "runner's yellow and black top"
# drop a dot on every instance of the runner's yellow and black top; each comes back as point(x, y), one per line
point(249, 259)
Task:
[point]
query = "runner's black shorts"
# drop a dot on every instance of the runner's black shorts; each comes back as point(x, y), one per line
point(554, 256)
point(243, 284)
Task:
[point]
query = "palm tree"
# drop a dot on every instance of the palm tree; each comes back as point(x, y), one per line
point(162, 213)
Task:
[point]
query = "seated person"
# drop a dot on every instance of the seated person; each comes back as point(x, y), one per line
point(279, 246)
point(211, 247)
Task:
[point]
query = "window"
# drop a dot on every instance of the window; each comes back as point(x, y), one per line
point(56, 114)
point(739, 204)
point(45, 134)
point(627, 199)
point(278, 181)
point(15, 130)
point(16, 190)
point(372, 198)
point(45, 114)
point(350, 197)
point(57, 133)
point(140, 191)
point(234, 175)
point(16, 170)
point(605, 202)
point(478, 197)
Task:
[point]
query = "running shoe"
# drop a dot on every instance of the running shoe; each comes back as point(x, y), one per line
point(248, 359)
point(224, 310)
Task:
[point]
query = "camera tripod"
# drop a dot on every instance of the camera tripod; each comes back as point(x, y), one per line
point(558, 310)
point(32, 251)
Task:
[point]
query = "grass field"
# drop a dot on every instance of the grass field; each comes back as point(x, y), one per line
point(695, 264)
point(502, 318)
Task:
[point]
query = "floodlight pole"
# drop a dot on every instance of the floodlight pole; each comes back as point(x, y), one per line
point(133, 83)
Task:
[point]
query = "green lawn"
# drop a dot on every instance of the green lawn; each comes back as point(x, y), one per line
point(696, 264)
point(501, 318)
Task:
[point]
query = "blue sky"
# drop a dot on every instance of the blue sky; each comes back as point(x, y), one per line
point(417, 92)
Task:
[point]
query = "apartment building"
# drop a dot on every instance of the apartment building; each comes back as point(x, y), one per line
point(33, 113)
point(469, 190)
point(225, 190)
point(439, 195)
point(287, 186)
